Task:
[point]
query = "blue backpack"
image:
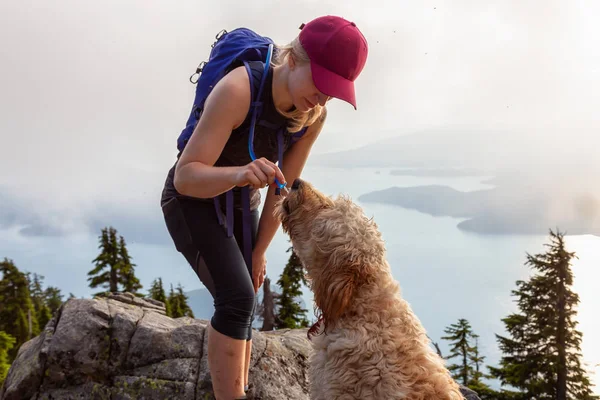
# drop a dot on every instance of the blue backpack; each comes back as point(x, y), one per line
point(241, 45)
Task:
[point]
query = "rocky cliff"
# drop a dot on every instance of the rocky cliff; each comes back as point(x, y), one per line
point(123, 347)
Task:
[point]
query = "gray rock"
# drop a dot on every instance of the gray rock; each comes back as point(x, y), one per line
point(139, 387)
point(122, 347)
point(25, 374)
point(88, 390)
point(80, 347)
point(27, 370)
point(282, 368)
point(137, 301)
point(158, 337)
point(469, 394)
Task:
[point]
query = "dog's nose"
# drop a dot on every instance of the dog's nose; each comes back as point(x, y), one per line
point(297, 183)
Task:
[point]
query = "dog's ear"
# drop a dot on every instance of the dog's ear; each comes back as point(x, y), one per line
point(334, 292)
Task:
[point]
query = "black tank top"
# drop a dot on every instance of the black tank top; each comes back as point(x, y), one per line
point(235, 151)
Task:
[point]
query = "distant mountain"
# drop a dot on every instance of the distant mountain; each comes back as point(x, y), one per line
point(457, 147)
point(514, 209)
point(442, 148)
point(440, 172)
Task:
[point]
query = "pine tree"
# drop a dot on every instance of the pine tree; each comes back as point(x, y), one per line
point(38, 298)
point(290, 314)
point(7, 342)
point(476, 361)
point(113, 265)
point(459, 335)
point(476, 383)
point(107, 262)
point(17, 315)
point(179, 305)
point(157, 292)
point(543, 350)
point(468, 370)
point(126, 268)
point(187, 311)
point(174, 303)
point(53, 298)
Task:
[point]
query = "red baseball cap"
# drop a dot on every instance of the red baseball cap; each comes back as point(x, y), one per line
point(338, 52)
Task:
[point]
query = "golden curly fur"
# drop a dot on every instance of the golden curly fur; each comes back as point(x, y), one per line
point(371, 345)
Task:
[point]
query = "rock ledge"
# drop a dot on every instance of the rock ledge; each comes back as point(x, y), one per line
point(124, 347)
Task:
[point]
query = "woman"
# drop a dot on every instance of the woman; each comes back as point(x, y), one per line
point(321, 63)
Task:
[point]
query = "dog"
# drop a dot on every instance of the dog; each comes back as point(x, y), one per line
point(368, 343)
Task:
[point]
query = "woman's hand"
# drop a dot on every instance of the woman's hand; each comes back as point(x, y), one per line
point(259, 173)
point(259, 269)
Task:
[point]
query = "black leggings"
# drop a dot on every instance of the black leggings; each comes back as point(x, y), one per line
point(217, 260)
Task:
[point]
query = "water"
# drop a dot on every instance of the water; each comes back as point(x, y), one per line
point(447, 274)
point(444, 273)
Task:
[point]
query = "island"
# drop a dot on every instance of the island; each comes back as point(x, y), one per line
point(516, 209)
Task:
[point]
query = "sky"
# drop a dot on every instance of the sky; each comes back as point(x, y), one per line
point(94, 94)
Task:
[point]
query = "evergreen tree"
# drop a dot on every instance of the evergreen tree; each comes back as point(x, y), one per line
point(476, 383)
point(7, 342)
point(174, 303)
point(17, 315)
point(53, 298)
point(113, 265)
point(543, 350)
point(178, 301)
point(105, 273)
point(187, 311)
point(290, 314)
point(157, 292)
point(38, 298)
point(468, 370)
point(476, 361)
point(459, 335)
point(126, 268)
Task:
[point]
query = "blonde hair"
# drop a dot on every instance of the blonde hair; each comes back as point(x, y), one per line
point(298, 119)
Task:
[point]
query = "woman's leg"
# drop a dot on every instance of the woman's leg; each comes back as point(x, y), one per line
point(219, 263)
point(226, 365)
point(238, 232)
point(247, 362)
point(224, 361)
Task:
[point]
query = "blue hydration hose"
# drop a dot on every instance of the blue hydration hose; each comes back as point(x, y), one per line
point(251, 136)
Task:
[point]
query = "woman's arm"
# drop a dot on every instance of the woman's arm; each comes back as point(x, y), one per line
point(294, 161)
point(225, 109)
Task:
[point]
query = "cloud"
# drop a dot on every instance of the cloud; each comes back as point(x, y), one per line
point(137, 218)
point(94, 95)
point(21, 213)
point(139, 229)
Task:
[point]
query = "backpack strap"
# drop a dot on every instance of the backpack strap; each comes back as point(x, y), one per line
point(256, 105)
point(246, 227)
